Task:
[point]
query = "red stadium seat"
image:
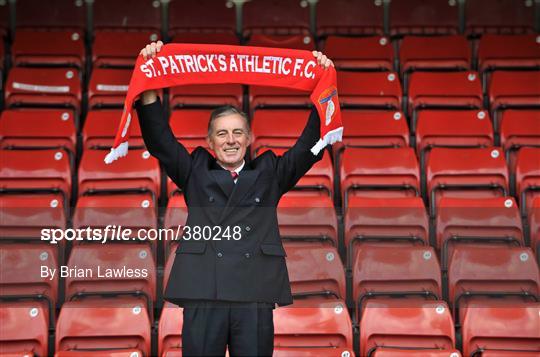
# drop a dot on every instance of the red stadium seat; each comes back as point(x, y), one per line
point(86, 325)
point(107, 53)
point(478, 274)
point(513, 89)
point(503, 330)
point(118, 269)
point(497, 52)
point(45, 87)
point(441, 53)
point(406, 324)
point(205, 95)
point(38, 129)
point(370, 172)
point(175, 218)
point(54, 14)
point(274, 97)
point(127, 15)
point(217, 38)
point(534, 228)
point(465, 172)
point(484, 222)
point(269, 17)
point(389, 222)
point(170, 331)
point(129, 352)
point(190, 126)
point(308, 325)
point(139, 172)
point(460, 90)
point(23, 329)
point(279, 128)
point(213, 18)
point(307, 217)
point(394, 352)
point(36, 171)
point(519, 128)
point(408, 272)
point(298, 42)
point(315, 271)
point(308, 352)
point(376, 90)
point(501, 16)
point(108, 87)
point(527, 178)
point(58, 48)
point(100, 129)
point(420, 17)
point(360, 53)
point(349, 17)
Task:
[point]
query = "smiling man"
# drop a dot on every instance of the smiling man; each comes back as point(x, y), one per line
point(229, 269)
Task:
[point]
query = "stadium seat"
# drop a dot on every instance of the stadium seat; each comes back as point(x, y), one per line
point(190, 126)
point(527, 178)
point(349, 17)
point(406, 324)
point(452, 128)
point(389, 222)
point(503, 330)
point(501, 17)
point(269, 17)
point(534, 228)
point(106, 53)
point(421, 17)
point(50, 15)
point(440, 53)
point(170, 331)
point(205, 96)
point(117, 270)
point(275, 97)
point(360, 53)
point(479, 273)
point(125, 15)
point(49, 48)
point(298, 42)
point(138, 172)
point(36, 172)
point(369, 90)
point(308, 325)
point(519, 128)
point(23, 329)
point(205, 17)
point(308, 352)
point(465, 172)
point(319, 177)
point(484, 222)
point(308, 218)
point(86, 325)
point(396, 352)
point(43, 87)
point(408, 273)
point(462, 90)
point(374, 172)
point(277, 128)
point(108, 87)
point(175, 217)
point(315, 271)
point(513, 89)
point(38, 129)
point(100, 129)
point(218, 38)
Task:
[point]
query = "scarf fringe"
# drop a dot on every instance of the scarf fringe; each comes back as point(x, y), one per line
point(117, 153)
point(331, 137)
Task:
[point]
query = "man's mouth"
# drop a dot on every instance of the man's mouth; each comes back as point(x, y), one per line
point(231, 150)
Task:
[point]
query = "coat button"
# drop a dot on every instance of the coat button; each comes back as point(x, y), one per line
point(211, 199)
point(219, 254)
point(248, 228)
point(247, 255)
point(257, 199)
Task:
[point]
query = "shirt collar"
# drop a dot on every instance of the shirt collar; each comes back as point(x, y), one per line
point(238, 169)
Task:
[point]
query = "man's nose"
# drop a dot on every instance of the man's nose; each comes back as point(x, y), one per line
point(230, 138)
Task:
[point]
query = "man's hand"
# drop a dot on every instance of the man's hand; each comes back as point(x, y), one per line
point(150, 51)
point(322, 60)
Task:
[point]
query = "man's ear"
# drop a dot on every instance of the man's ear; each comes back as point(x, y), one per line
point(209, 142)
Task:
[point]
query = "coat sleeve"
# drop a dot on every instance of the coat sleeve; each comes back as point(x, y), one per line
point(161, 142)
point(296, 161)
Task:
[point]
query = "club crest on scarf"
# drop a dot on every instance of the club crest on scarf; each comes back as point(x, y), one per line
point(328, 102)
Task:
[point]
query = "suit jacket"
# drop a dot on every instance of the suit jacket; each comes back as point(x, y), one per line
point(251, 269)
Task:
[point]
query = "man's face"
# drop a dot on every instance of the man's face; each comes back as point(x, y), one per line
point(229, 139)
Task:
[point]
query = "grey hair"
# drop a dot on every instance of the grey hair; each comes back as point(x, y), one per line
point(226, 110)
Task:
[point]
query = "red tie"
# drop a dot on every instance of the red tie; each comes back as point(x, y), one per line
point(234, 175)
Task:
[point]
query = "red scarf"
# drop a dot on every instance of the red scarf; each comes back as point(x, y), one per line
point(184, 64)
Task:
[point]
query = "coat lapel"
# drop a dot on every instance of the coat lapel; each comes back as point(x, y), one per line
point(245, 182)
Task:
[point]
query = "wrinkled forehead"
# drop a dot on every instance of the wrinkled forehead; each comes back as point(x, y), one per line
point(229, 123)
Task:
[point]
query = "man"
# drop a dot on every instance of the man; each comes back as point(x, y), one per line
point(228, 281)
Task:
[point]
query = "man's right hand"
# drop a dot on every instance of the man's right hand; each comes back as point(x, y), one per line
point(150, 51)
